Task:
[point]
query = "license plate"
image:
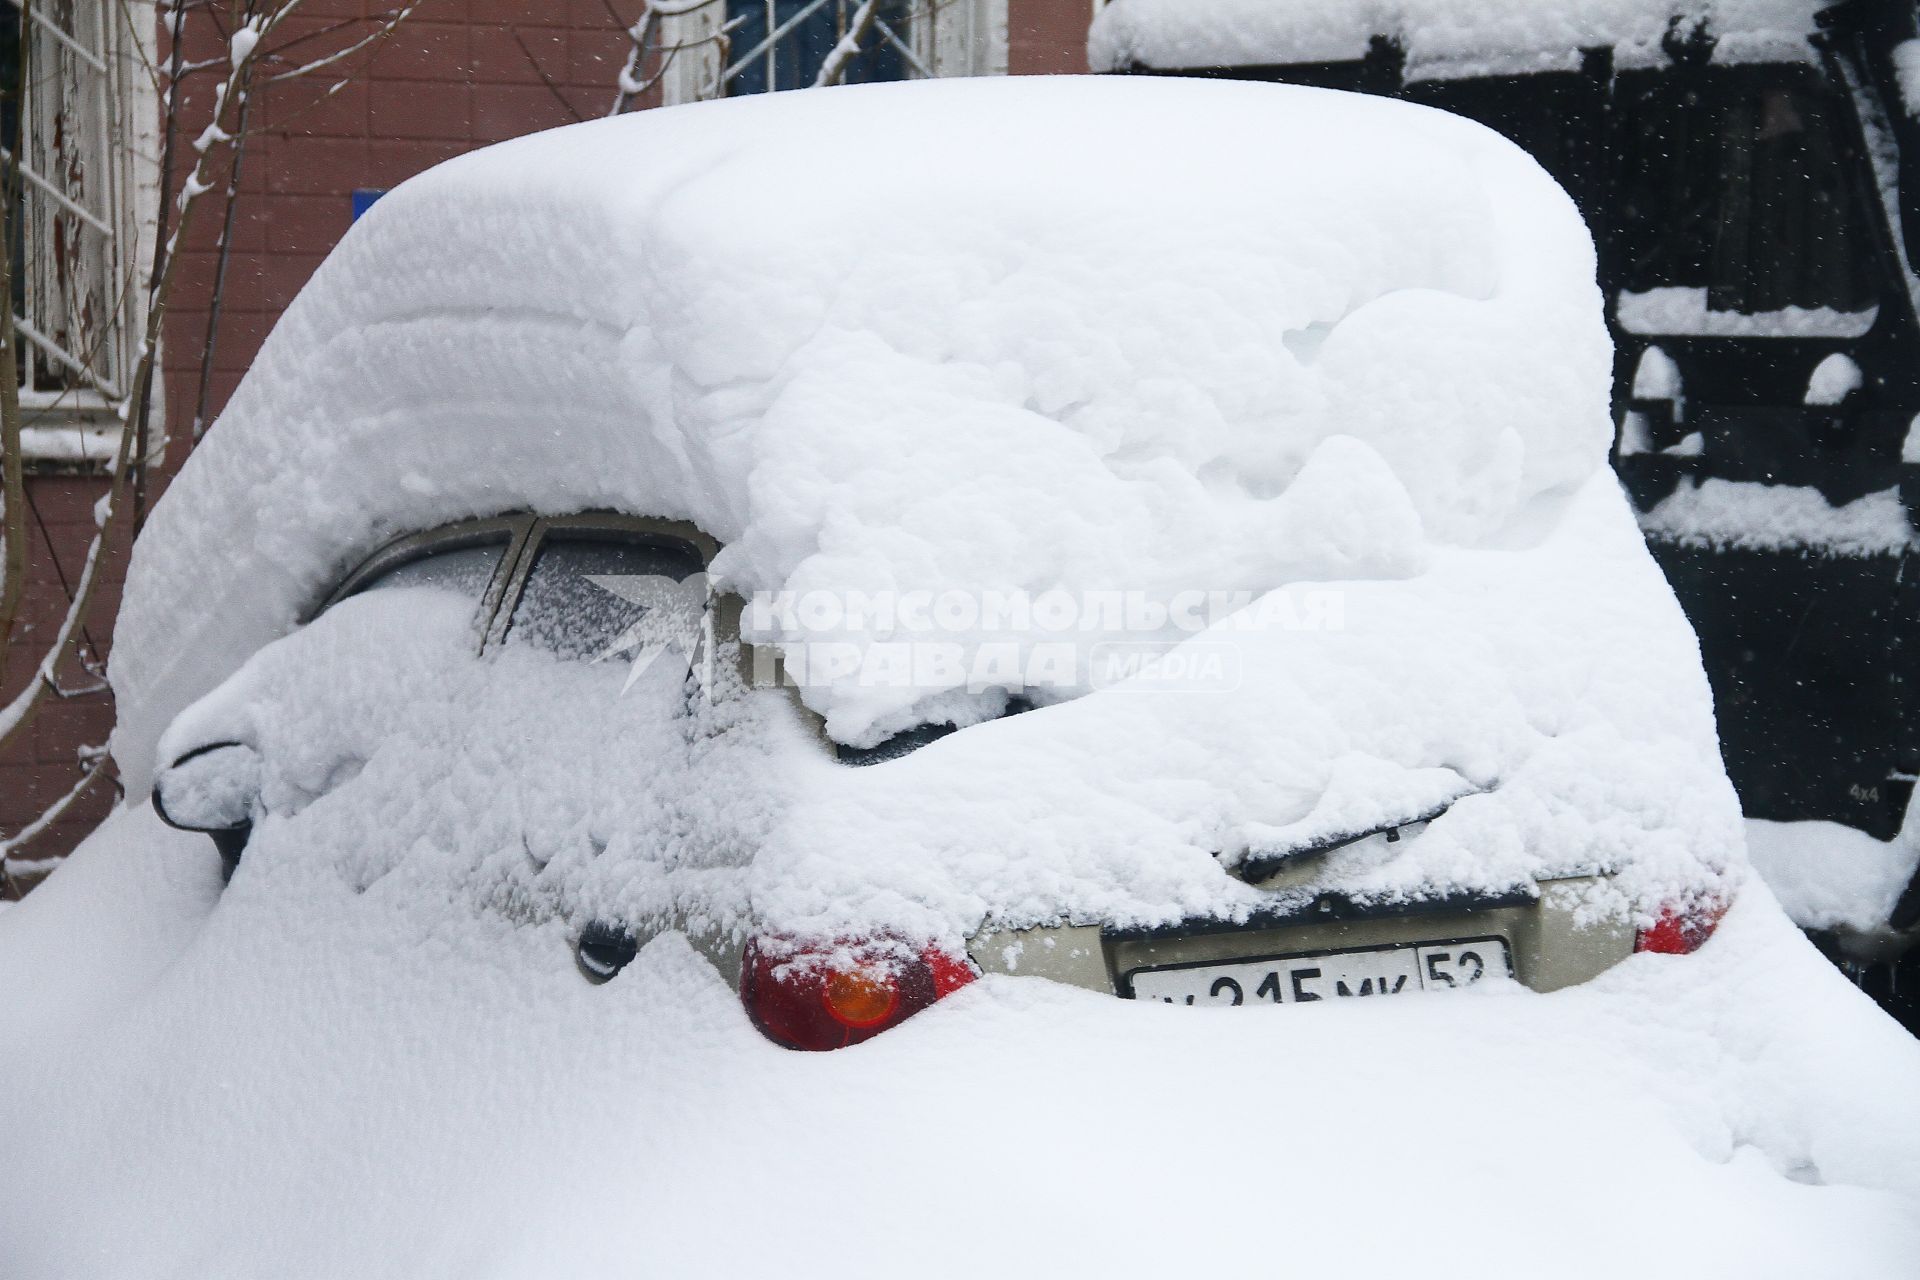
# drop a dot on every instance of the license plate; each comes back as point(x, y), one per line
point(1328, 975)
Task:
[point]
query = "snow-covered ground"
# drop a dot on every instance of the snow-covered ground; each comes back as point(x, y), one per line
point(1081, 345)
point(358, 1087)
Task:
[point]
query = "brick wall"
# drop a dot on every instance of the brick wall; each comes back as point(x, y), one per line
point(458, 75)
point(41, 764)
point(1047, 37)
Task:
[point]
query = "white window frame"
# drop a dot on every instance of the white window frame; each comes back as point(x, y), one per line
point(90, 182)
point(944, 38)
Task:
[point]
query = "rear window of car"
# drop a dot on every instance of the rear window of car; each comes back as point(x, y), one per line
point(466, 570)
point(592, 596)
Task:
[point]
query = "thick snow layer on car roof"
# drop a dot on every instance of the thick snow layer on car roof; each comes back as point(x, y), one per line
point(978, 335)
point(1439, 36)
point(1359, 396)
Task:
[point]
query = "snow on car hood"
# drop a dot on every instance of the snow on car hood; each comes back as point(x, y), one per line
point(1441, 37)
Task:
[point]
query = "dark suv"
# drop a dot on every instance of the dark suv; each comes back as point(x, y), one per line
point(1756, 222)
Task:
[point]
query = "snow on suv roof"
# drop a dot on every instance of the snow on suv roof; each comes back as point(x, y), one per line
point(1016, 334)
point(1456, 37)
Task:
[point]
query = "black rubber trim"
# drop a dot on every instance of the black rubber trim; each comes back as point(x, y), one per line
point(231, 842)
point(1259, 864)
point(1325, 907)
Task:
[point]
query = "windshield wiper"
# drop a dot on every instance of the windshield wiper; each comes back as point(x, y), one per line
point(1256, 866)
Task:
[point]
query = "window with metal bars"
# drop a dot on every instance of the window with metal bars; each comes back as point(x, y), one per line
point(72, 133)
point(782, 44)
point(738, 47)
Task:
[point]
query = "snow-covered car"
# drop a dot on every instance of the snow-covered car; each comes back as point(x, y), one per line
point(821, 559)
point(1327, 846)
point(1315, 910)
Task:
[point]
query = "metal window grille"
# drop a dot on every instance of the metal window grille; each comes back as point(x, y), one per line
point(77, 293)
point(781, 44)
point(772, 45)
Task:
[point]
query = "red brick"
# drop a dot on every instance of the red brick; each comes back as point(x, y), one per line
point(193, 275)
point(235, 346)
point(420, 109)
point(419, 50)
point(591, 15)
point(392, 161)
point(337, 9)
point(595, 57)
point(237, 343)
point(19, 749)
point(322, 106)
point(64, 725)
point(27, 790)
point(1047, 37)
point(42, 606)
point(209, 217)
point(520, 13)
point(65, 499)
point(507, 111)
point(315, 166)
point(516, 55)
point(200, 39)
point(305, 224)
point(219, 391)
point(253, 281)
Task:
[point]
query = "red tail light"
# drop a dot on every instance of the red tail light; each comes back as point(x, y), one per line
point(830, 995)
point(1681, 930)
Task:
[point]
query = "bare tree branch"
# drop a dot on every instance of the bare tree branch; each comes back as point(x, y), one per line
point(100, 763)
point(18, 713)
point(379, 33)
point(214, 304)
point(139, 423)
point(841, 56)
point(634, 81)
point(546, 79)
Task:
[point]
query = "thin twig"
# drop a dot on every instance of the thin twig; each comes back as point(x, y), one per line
point(643, 35)
point(101, 762)
point(176, 37)
point(378, 34)
point(59, 571)
point(546, 79)
point(214, 304)
point(834, 68)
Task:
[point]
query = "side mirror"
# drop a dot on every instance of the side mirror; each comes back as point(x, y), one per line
point(604, 950)
point(214, 790)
